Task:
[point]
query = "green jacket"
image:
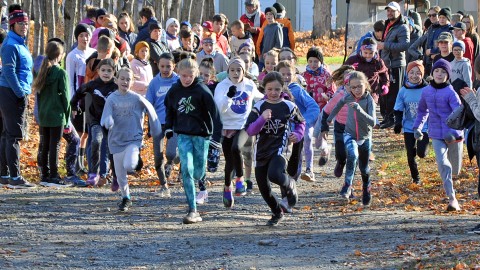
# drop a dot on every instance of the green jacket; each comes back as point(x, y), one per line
point(53, 99)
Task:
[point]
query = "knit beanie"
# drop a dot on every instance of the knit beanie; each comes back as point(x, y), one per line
point(460, 44)
point(280, 10)
point(316, 53)
point(271, 10)
point(170, 21)
point(443, 64)
point(101, 12)
point(17, 16)
point(417, 63)
point(237, 60)
point(140, 45)
point(80, 28)
point(446, 12)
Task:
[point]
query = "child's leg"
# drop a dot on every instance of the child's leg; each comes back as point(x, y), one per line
point(294, 165)
point(308, 147)
point(422, 146)
point(239, 141)
point(185, 149)
point(444, 166)
point(158, 157)
point(364, 151)
point(71, 153)
point(171, 152)
point(200, 151)
point(125, 161)
point(455, 154)
point(261, 175)
point(247, 155)
point(96, 136)
point(340, 152)
point(227, 154)
point(352, 157)
point(104, 155)
point(43, 151)
point(410, 147)
point(54, 148)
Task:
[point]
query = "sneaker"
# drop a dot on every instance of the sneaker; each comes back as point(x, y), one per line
point(92, 179)
point(324, 155)
point(114, 186)
point(476, 229)
point(453, 205)
point(59, 183)
point(164, 192)
point(371, 157)
point(75, 181)
point(346, 191)
point(284, 205)
point(308, 176)
point(168, 170)
point(338, 171)
point(240, 187)
point(20, 183)
point(124, 204)
point(4, 180)
point(388, 124)
point(417, 181)
point(292, 195)
point(192, 217)
point(45, 182)
point(202, 197)
point(102, 181)
point(249, 186)
point(276, 218)
point(366, 196)
point(228, 200)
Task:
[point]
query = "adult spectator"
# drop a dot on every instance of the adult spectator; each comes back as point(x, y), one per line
point(15, 86)
point(253, 18)
point(472, 34)
point(157, 46)
point(396, 40)
point(416, 31)
point(147, 16)
point(126, 29)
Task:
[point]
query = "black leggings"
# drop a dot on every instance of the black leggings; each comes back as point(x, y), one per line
point(293, 167)
point(272, 172)
point(232, 151)
point(415, 148)
point(50, 144)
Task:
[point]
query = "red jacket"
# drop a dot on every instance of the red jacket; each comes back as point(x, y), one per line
point(376, 71)
point(318, 82)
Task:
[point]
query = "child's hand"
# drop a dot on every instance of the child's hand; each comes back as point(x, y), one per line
point(375, 97)
point(74, 113)
point(324, 96)
point(354, 105)
point(293, 138)
point(267, 114)
point(232, 91)
point(466, 90)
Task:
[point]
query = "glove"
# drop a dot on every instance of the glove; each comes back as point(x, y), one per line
point(397, 128)
point(232, 91)
point(168, 133)
point(417, 133)
point(384, 90)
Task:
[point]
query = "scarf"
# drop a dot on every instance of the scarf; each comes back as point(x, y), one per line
point(410, 85)
point(317, 72)
point(142, 61)
point(169, 36)
point(439, 85)
point(256, 17)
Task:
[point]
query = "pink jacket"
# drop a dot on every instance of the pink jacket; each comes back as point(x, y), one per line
point(142, 74)
point(342, 114)
point(318, 82)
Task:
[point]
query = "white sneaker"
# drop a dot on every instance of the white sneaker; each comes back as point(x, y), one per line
point(284, 205)
point(202, 197)
point(453, 205)
point(164, 192)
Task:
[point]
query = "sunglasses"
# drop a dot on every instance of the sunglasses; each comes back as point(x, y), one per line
point(432, 15)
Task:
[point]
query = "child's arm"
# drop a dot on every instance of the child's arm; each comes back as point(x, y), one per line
point(256, 121)
point(312, 109)
point(384, 77)
point(422, 113)
point(107, 115)
point(336, 109)
point(330, 86)
point(150, 96)
point(169, 111)
point(365, 116)
point(64, 93)
point(155, 126)
point(467, 74)
point(299, 125)
point(223, 96)
point(279, 39)
point(398, 109)
point(473, 101)
point(79, 94)
point(216, 119)
point(413, 49)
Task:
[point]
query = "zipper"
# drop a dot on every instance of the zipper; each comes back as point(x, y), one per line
point(356, 122)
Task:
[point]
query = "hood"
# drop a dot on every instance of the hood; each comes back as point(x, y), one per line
point(417, 20)
point(53, 75)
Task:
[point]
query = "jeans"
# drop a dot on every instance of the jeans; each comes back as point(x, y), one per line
point(171, 153)
point(14, 120)
point(356, 153)
point(193, 152)
point(99, 154)
point(71, 152)
point(415, 148)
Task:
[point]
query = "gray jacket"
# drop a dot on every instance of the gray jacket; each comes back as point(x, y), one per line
point(396, 42)
point(461, 69)
point(361, 118)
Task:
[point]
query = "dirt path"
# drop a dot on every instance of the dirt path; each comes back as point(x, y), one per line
point(81, 229)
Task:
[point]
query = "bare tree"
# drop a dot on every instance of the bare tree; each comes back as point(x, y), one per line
point(175, 9)
point(186, 10)
point(208, 10)
point(70, 22)
point(195, 16)
point(322, 18)
point(38, 25)
point(50, 17)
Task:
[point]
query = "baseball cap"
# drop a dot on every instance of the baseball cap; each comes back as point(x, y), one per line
point(445, 36)
point(460, 25)
point(208, 25)
point(393, 5)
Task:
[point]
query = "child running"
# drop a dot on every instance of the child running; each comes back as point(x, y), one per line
point(437, 102)
point(271, 61)
point(319, 80)
point(234, 97)
point(156, 93)
point(191, 112)
point(405, 111)
point(51, 85)
point(358, 133)
point(271, 120)
point(141, 68)
point(123, 117)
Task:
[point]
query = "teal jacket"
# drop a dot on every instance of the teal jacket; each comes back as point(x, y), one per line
point(53, 99)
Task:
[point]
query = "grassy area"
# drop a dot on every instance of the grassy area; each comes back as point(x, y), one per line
point(334, 60)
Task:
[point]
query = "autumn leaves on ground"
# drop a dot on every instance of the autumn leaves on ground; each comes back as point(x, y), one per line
point(392, 189)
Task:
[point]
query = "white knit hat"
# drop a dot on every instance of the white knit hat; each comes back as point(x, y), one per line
point(170, 21)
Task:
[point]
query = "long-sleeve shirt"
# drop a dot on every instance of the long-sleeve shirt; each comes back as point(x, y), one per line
point(157, 91)
point(461, 69)
point(143, 75)
point(123, 116)
point(407, 102)
point(306, 104)
point(75, 65)
point(235, 111)
point(271, 36)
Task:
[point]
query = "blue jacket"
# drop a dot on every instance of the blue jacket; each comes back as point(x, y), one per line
point(143, 32)
point(157, 91)
point(305, 103)
point(17, 65)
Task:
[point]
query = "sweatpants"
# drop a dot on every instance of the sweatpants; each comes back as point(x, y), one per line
point(193, 152)
point(272, 172)
point(308, 148)
point(232, 151)
point(415, 148)
point(124, 162)
point(445, 160)
point(170, 153)
point(50, 144)
point(3, 157)
point(14, 118)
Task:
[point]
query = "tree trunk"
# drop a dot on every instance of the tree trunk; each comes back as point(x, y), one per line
point(208, 10)
point(186, 11)
point(38, 28)
point(322, 18)
point(70, 23)
point(50, 19)
point(175, 9)
point(165, 13)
